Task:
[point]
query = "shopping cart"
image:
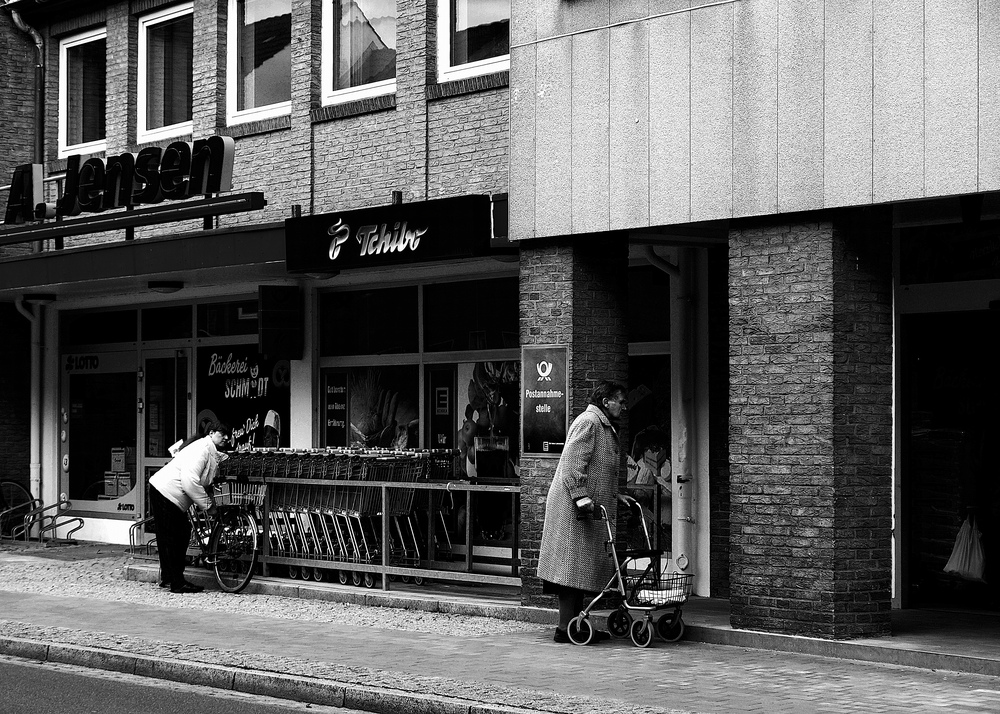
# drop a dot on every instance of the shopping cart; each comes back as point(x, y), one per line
point(647, 586)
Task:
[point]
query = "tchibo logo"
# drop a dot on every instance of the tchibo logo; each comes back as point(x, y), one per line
point(544, 370)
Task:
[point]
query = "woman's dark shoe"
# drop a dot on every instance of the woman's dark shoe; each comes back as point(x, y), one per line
point(164, 583)
point(186, 587)
point(560, 636)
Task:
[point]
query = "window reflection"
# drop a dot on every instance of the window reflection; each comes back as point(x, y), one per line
point(364, 41)
point(264, 62)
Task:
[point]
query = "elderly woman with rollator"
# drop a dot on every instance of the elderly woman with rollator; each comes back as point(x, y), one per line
point(572, 561)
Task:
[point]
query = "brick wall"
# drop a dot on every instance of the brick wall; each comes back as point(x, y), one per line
point(17, 107)
point(15, 406)
point(572, 293)
point(322, 158)
point(810, 429)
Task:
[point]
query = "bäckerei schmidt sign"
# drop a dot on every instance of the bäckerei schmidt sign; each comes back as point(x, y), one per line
point(441, 229)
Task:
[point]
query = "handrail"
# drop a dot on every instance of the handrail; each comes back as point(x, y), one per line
point(31, 505)
point(37, 516)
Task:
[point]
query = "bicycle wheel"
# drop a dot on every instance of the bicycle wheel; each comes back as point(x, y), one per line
point(233, 550)
point(13, 496)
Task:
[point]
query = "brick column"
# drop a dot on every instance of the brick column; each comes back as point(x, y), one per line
point(811, 428)
point(573, 292)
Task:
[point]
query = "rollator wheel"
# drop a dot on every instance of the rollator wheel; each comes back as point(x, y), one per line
point(343, 577)
point(317, 575)
point(641, 633)
point(356, 578)
point(619, 623)
point(293, 572)
point(580, 631)
point(670, 626)
point(369, 580)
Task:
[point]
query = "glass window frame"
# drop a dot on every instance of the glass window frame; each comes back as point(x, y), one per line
point(65, 44)
point(448, 73)
point(235, 115)
point(339, 96)
point(146, 23)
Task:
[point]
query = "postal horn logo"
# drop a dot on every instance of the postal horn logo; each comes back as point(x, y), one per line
point(544, 370)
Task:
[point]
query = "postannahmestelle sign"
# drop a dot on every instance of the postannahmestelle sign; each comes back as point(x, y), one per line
point(545, 380)
point(440, 229)
point(180, 171)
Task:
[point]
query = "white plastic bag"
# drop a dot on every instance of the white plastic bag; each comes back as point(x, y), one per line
point(966, 559)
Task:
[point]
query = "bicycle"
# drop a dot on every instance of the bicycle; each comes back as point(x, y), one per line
point(15, 503)
point(229, 541)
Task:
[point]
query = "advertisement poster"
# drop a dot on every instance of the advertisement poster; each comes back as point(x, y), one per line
point(237, 386)
point(546, 385)
point(335, 406)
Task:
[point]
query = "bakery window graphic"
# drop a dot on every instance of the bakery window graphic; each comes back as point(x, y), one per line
point(242, 388)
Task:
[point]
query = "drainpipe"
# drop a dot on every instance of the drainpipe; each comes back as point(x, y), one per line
point(34, 315)
point(39, 149)
point(682, 391)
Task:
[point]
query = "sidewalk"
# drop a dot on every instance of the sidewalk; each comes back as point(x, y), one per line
point(481, 665)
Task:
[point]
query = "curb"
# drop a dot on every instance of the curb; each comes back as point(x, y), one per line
point(281, 686)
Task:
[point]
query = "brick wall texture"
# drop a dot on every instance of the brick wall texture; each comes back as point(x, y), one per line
point(14, 395)
point(572, 293)
point(17, 107)
point(323, 159)
point(810, 428)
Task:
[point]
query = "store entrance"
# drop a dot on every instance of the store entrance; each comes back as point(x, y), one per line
point(165, 411)
point(950, 392)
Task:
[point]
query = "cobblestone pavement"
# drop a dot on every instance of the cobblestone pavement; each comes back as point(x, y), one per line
point(87, 602)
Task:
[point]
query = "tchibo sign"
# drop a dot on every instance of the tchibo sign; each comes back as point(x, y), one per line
point(181, 170)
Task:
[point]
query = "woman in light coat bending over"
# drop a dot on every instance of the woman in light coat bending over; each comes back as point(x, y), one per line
point(172, 490)
point(572, 561)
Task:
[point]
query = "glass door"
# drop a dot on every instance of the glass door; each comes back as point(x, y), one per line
point(164, 406)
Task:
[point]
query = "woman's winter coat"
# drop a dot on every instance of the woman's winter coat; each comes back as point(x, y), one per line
point(572, 551)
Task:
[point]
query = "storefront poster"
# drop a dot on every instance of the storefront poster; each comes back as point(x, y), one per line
point(335, 404)
point(544, 371)
point(238, 387)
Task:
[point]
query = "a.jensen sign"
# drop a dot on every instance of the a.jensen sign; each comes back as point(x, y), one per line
point(180, 171)
point(440, 229)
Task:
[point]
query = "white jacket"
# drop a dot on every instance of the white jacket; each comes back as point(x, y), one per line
point(184, 479)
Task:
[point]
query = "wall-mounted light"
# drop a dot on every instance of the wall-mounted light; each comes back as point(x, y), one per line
point(165, 286)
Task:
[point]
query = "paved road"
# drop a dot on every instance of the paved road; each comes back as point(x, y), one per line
point(30, 688)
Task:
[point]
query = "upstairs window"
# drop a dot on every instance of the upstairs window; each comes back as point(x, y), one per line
point(166, 67)
point(359, 49)
point(259, 83)
point(473, 38)
point(82, 93)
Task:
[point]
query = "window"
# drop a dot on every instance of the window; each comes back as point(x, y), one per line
point(82, 93)
point(166, 66)
point(359, 49)
point(473, 38)
point(259, 83)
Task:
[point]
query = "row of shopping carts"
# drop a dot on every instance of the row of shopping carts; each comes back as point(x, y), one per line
point(327, 506)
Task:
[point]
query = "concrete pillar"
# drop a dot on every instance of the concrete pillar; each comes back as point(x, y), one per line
point(811, 427)
point(573, 292)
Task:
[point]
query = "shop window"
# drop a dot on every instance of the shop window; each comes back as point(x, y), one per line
point(648, 450)
point(166, 68)
point(82, 93)
point(373, 407)
point(648, 305)
point(359, 49)
point(96, 328)
point(225, 319)
point(166, 323)
point(101, 420)
point(475, 315)
point(473, 38)
point(259, 82)
point(369, 322)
